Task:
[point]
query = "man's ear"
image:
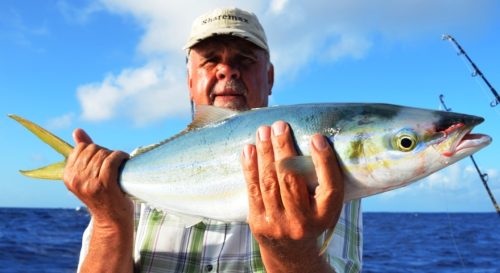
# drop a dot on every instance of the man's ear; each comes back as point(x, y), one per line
point(270, 77)
point(189, 82)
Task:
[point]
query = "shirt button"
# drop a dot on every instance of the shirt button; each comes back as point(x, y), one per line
point(209, 267)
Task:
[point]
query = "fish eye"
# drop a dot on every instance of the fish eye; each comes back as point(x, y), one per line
point(405, 141)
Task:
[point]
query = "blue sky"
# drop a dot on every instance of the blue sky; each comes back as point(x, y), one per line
point(116, 69)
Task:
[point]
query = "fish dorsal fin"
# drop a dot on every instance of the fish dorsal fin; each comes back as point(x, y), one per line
point(204, 115)
point(143, 149)
point(207, 114)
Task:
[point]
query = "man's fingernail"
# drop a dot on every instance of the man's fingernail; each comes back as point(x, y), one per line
point(247, 152)
point(264, 133)
point(319, 142)
point(279, 128)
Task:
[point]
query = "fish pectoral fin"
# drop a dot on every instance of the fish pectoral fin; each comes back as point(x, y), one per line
point(302, 165)
point(186, 220)
point(52, 172)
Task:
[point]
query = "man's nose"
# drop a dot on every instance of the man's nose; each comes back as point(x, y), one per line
point(227, 71)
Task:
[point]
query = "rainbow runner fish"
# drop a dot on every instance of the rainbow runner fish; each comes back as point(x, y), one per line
point(197, 172)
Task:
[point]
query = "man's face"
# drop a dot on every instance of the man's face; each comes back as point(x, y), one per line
point(229, 72)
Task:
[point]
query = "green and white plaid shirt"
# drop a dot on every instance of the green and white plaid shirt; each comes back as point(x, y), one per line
point(164, 244)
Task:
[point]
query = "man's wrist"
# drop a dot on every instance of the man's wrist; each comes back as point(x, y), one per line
point(305, 260)
point(119, 216)
point(124, 227)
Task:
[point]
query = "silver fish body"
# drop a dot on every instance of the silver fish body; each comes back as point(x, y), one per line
point(379, 147)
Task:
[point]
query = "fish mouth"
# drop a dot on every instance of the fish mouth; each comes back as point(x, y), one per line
point(472, 141)
point(458, 140)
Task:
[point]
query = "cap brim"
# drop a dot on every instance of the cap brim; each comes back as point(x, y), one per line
point(227, 31)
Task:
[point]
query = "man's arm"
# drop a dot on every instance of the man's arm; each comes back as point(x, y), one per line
point(284, 218)
point(91, 173)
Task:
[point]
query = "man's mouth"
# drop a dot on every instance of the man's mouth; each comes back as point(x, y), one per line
point(226, 93)
point(230, 100)
point(228, 97)
point(230, 94)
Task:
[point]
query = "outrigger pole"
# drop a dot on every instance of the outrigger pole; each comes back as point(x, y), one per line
point(483, 176)
point(476, 71)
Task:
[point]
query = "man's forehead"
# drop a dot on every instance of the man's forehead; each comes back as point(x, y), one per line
point(221, 42)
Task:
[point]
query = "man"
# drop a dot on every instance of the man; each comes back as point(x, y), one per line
point(229, 67)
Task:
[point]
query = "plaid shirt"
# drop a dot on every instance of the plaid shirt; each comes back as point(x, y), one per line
point(163, 244)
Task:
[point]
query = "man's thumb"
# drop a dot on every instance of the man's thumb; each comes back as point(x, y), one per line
point(80, 136)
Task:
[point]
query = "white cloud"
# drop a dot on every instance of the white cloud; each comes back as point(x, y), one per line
point(299, 32)
point(277, 6)
point(61, 122)
point(459, 178)
point(15, 29)
point(80, 14)
point(305, 31)
point(394, 193)
point(349, 45)
point(493, 173)
point(143, 94)
point(167, 23)
point(450, 178)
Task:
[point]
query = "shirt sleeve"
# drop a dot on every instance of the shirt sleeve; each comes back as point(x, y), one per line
point(88, 232)
point(85, 244)
point(345, 250)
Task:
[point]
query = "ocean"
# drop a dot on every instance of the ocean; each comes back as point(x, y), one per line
point(48, 240)
point(431, 242)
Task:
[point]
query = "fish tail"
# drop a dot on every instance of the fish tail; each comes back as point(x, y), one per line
point(54, 171)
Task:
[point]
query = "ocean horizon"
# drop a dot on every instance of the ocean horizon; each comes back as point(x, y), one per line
point(48, 240)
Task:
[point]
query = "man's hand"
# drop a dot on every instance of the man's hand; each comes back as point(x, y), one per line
point(285, 219)
point(91, 173)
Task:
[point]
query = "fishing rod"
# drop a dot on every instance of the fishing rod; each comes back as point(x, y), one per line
point(476, 71)
point(483, 176)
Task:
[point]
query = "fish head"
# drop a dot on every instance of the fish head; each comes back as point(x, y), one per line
point(390, 146)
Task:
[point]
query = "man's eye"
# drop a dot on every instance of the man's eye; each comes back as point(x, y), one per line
point(247, 60)
point(210, 60)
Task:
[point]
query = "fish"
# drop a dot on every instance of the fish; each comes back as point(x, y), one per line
point(380, 147)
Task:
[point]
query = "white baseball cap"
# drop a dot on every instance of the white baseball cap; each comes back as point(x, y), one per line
point(227, 21)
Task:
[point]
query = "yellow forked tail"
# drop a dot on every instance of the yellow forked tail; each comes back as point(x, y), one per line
point(54, 171)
